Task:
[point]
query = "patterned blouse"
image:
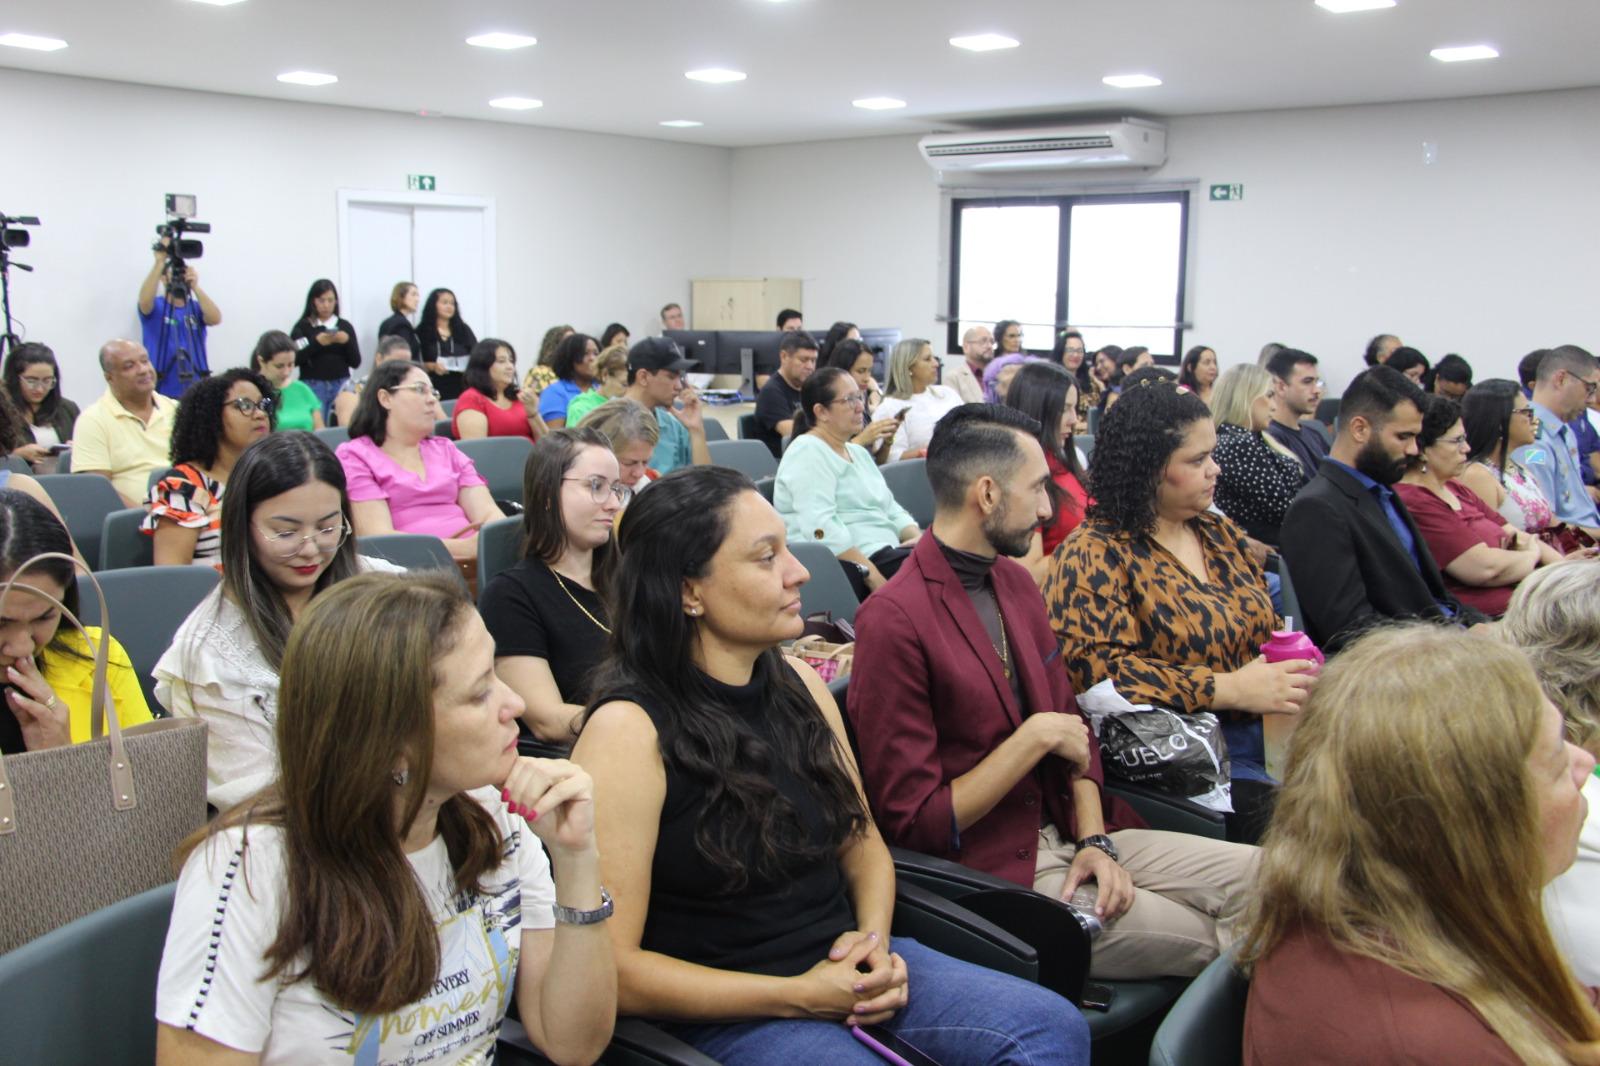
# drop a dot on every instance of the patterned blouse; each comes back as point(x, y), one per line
point(1123, 607)
point(1256, 483)
point(1525, 505)
point(186, 496)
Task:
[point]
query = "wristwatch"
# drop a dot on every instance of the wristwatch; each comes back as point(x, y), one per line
point(1102, 842)
point(568, 916)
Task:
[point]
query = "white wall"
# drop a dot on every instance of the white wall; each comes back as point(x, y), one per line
point(591, 227)
point(1343, 232)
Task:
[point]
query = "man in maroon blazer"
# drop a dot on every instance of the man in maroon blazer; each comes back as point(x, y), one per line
point(972, 745)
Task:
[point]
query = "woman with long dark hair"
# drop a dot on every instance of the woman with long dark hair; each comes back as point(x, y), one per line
point(446, 342)
point(492, 405)
point(33, 381)
point(829, 490)
point(548, 613)
point(751, 885)
point(389, 895)
point(1499, 419)
point(295, 405)
point(839, 331)
point(286, 538)
point(1047, 393)
point(1198, 372)
point(218, 419)
point(326, 344)
point(46, 669)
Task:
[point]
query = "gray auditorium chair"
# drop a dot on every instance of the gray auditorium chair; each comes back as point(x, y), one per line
point(123, 543)
point(1206, 1026)
point(332, 436)
point(829, 590)
point(414, 551)
point(84, 500)
point(908, 480)
point(147, 605)
point(500, 462)
point(749, 457)
point(499, 548)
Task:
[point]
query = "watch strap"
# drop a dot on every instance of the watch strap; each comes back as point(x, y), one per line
point(1103, 843)
point(570, 916)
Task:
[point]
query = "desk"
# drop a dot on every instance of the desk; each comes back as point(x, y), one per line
point(728, 415)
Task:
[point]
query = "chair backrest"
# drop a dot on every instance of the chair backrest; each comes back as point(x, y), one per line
point(749, 457)
point(88, 989)
point(1328, 410)
point(1085, 443)
point(765, 486)
point(84, 500)
point(150, 482)
point(828, 590)
point(1320, 430)
point(715, 430)
point(749, 428)
point(1291, 602)
point(18, 465)
point(500, 462)
point(147, 605)
point(1206, 1026)
point(414, 551)
point(333, 436)
point(908, 480)
point(443, 428)
point(448, 407)
point(64, 461)
point(1094, 419)
point(498, 548)
point(122, 544)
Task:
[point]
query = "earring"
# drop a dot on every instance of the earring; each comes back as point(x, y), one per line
point(1424, 466)
point(694, 612)
point(400, 778)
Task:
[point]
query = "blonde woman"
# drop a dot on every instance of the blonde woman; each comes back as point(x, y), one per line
point(913, 369)
point(1555, 618)
point(1430, 796)
point(634, 434)
point(1258, 476)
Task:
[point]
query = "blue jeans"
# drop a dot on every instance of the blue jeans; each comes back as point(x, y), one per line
point(325, 391)
point(959, 1014)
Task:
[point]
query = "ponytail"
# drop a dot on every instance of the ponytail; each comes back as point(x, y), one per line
point(818, 388)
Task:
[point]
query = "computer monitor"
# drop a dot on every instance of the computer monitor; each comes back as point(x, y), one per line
point(697, 344)
point(881, 343)
point(762, 344)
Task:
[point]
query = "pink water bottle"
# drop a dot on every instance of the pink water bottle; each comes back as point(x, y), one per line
point(1275, 728)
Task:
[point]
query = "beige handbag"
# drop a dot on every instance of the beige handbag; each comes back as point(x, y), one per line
point(87, 825)
point(831, 661)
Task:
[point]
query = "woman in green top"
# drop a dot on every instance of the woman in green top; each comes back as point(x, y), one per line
point(829, 490)
point(273, 359)
point(611, 376)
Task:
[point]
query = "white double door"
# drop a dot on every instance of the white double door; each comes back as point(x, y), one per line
point(433, 241)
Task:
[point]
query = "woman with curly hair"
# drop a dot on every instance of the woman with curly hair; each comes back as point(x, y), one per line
point(218, 418)
point(1161, 596)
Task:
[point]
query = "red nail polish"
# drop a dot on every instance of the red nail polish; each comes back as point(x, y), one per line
point(505, 795)
point(533, 815)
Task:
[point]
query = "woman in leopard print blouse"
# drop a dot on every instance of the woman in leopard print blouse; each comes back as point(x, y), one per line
point(1160, 595)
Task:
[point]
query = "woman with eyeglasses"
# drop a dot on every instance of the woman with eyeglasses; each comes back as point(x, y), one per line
point(547, 613)
point(829, 491)
point(218, 418)
point(1499, 419)
point(1481, 555)
point(285, 539)
point(402, 478)
point(33, 381)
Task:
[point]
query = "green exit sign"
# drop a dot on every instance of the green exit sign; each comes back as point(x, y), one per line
point(1227, 192)
point(427, 183)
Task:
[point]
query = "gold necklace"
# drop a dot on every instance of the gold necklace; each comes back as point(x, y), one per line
point(1005, 646)
point(562, 582)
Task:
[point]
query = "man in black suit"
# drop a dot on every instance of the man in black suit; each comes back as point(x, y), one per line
point(1354, 554)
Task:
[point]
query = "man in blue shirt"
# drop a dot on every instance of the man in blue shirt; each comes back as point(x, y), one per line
point(1354, 554)
point(1567, 377)
point(174, 325)
point(655, 379)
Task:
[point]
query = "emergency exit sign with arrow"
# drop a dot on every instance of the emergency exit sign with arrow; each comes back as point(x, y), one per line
point(1227, 192)
point(426, 182)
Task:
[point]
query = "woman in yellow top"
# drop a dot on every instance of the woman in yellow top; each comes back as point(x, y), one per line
point(49, 669)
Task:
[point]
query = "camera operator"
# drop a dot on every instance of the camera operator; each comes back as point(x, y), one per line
point(175, 323)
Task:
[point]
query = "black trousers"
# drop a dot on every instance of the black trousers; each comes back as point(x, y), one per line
point(887, 560)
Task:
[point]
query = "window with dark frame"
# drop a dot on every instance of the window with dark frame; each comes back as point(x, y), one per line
point(1110, 265)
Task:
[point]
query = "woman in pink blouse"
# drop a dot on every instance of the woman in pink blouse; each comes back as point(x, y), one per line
point(1482, 555)
point(492, 405)
point(401, 478)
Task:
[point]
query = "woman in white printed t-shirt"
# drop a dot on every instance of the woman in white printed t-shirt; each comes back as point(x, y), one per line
point(385, 899)
point(913, 369)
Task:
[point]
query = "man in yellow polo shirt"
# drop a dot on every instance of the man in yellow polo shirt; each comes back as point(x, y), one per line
point(125, 434)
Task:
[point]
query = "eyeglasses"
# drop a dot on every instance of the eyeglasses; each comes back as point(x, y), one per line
point(1455, 442)
point(855, 399)
point(286, 544)
point(419, 388)
point(1589, 387)
point(599, 487)
point(42, 384)
point(1529, 413)
point(246, 406)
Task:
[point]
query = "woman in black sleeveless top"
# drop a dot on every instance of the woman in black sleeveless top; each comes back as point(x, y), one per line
point(753, 893)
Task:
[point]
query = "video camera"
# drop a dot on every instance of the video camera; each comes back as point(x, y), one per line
point(179, 249)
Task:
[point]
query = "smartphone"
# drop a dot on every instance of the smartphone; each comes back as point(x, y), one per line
point(57, 449)
point(900, 415)
point(890, 1048)
point(1097, 996)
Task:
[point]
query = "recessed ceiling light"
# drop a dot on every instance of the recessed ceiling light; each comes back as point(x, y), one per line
point(219, 3)
point(515, 103)
point(715, 75)
point(1131, 81)
point(984, 42)
point(1344, 7)
point(878, 103)
point(503, 41)
point(682, 123)
point(28, 40)
point(1463, 53)
point(306, 77)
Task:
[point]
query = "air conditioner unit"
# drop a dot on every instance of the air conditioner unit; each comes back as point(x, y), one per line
point(1128, 142)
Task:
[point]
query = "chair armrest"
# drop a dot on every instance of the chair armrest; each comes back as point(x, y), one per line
point(1172, 813)
point(947, 927)
point(949, 879)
